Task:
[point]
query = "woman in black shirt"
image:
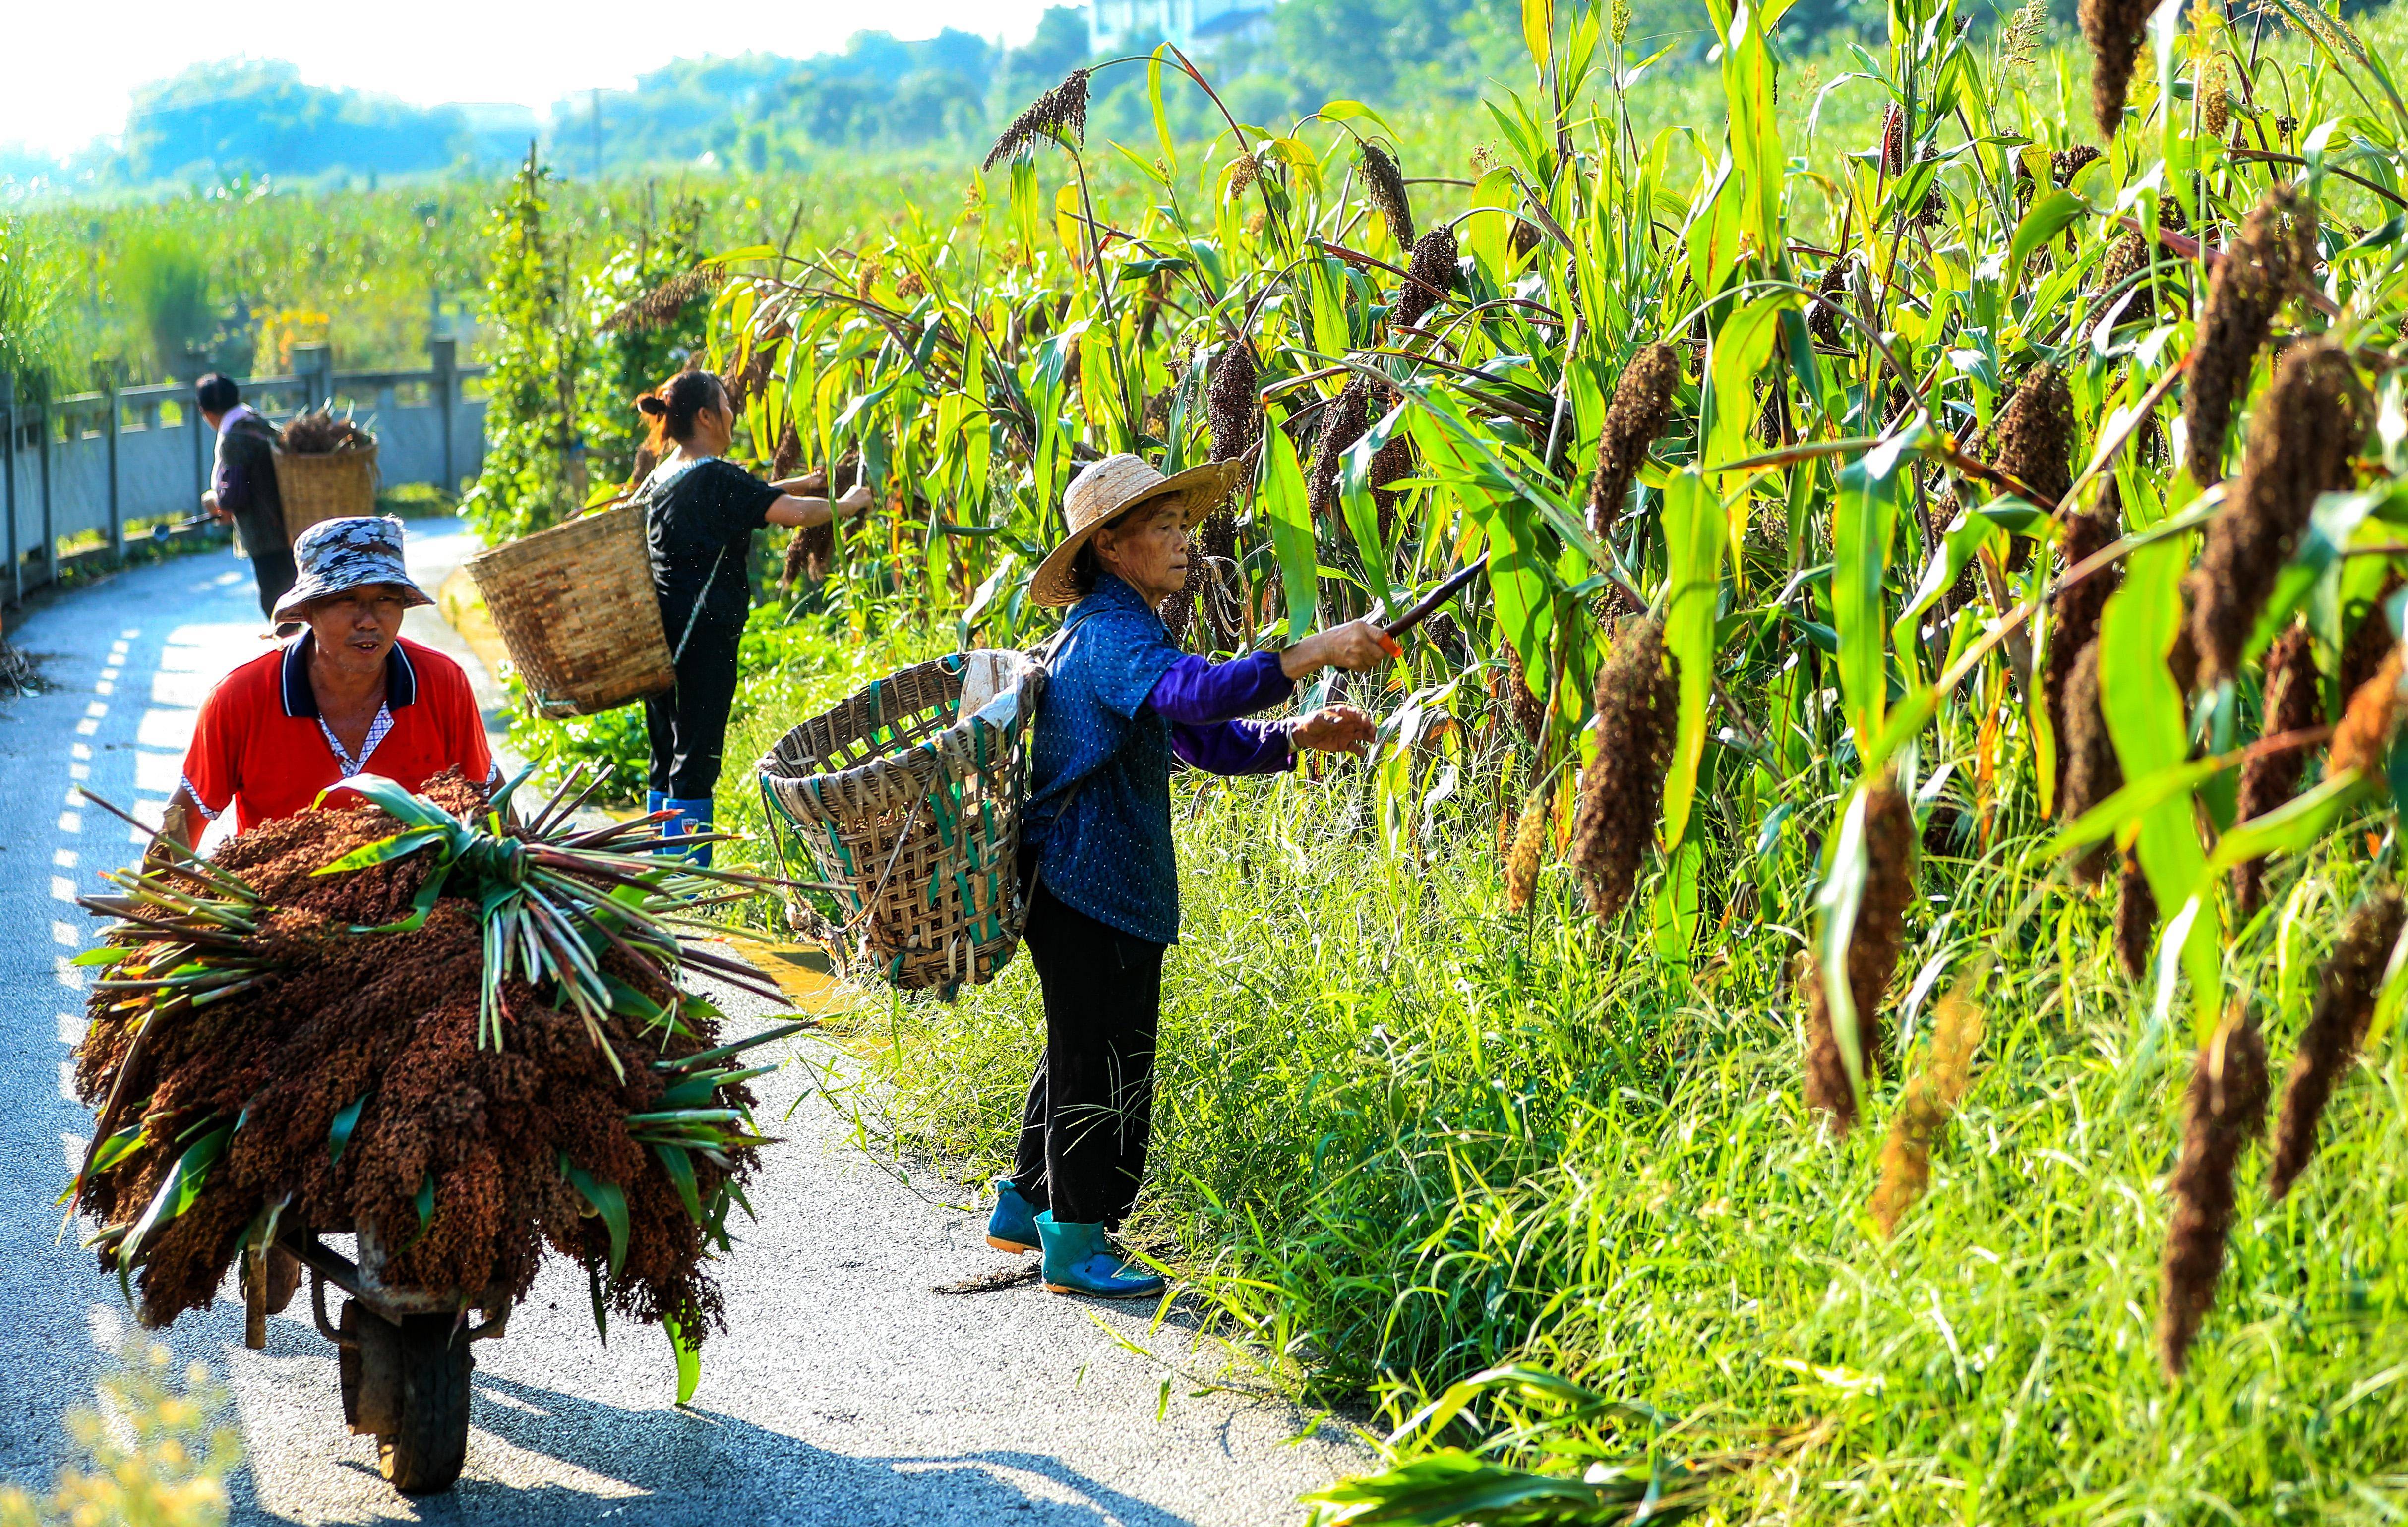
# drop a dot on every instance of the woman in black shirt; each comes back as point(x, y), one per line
point(700, 511)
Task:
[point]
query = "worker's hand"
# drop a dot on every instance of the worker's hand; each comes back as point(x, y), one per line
point(209, 506)
point(1357, 647)
point(1333, 729)
point(858, 498)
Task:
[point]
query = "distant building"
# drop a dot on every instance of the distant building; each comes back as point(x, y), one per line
point(1198, 26)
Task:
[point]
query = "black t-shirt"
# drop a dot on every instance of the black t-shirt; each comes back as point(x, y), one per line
point(705, 516)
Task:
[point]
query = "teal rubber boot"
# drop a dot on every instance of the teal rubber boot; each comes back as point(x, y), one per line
point(1080, 1260)
point(691, 817)
point(1013, 1226)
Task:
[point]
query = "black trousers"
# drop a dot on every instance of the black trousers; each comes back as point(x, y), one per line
point(1090, 1112)
point(688, 725)
point(276, 575)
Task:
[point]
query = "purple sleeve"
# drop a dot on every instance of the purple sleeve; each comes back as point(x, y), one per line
point(1233, 747)
point(1195, 693)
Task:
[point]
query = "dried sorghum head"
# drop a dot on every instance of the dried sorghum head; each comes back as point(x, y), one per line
point(2276, 242)
point(1924, 1108)
point(2362, 738)
point(2303, 436)
point(1232, 404)
point(2294, 701)
point(2223, 1111)
point(1641, 406)
point(2113, 28)
point(2073, 617)
point(2337, 1025)
point(1622, 790)
point(1434, 269)
point(1384, 183)
point(1060, 112)
point(660, 306)
point(1342, 423)
point(2136, 917)
point(2035, 434)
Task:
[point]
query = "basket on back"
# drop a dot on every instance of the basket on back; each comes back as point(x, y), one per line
point(330, 485)
point(907, 798)
point(575, 605)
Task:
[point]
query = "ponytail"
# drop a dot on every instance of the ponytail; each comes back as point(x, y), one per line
point(672, 406)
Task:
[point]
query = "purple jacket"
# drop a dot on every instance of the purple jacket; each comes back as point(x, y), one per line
point(1202, 701)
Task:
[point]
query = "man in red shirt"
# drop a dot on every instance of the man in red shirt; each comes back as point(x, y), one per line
point(345, 696)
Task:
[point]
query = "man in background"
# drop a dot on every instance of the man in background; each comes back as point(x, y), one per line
point(243, 485)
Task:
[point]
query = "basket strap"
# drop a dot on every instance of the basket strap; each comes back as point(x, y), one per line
point(693, 617)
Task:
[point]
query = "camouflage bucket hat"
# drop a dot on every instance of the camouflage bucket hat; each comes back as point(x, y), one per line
point(336, 555)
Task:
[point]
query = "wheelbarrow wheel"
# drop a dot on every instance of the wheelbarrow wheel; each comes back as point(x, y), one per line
point(425, 1452)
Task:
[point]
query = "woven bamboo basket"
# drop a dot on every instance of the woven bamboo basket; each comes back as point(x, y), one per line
point(329, 486)
point(907, 800)
point(575, 607)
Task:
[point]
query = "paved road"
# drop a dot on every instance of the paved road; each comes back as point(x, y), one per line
point(846, 1392)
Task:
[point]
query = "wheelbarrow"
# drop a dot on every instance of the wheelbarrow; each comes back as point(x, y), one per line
point(404, 1354)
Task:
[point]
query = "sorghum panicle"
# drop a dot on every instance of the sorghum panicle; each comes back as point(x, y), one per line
point(2223, 1111)
point(2337, 1025)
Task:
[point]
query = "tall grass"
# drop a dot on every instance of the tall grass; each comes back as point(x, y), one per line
point(1403, 1137)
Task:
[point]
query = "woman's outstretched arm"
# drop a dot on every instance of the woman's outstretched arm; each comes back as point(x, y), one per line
point(789, 509)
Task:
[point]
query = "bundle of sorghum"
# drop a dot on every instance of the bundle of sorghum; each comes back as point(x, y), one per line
point(350, 1021)
point(320, 432)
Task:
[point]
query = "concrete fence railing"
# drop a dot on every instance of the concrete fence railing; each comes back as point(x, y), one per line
point(91, 463)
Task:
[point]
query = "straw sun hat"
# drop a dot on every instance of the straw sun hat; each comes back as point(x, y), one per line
point(1110, 488)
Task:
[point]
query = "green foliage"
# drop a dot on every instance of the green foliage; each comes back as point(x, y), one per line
point(621, 363)
point(170, 1473)
point(163, 283)
point(534, 473)
point(1403, 1137)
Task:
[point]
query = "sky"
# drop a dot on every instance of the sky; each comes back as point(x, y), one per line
point(429, 52)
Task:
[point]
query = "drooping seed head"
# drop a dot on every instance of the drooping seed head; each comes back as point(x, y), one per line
point(1342, 423)
point(1434, 269)
point(1873, 945)
point(1059, 113)
point(2361, 739)
point(1529, 708)
point(1925, 1107)
point(1232, 404)
point(1641, 406)
point(1821, 323)
point(659, 308)
point(2294, 702)
point(2276, 242)
point(2224, 1109)
point(1384, 183)
point(2337, 1025)
point(2303, 437)
point(2214, 102)
point(2114, 29)
point(2092, 771)
point(2065, 163)
point(2136, 917)
point(1529, 845)
point(2035, 433)
point(1622, 790)
point(2073, 627)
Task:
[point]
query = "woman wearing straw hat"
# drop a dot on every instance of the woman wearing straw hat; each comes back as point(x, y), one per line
point(1096, 862)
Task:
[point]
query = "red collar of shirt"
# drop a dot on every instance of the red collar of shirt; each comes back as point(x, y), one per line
point(301, 698)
